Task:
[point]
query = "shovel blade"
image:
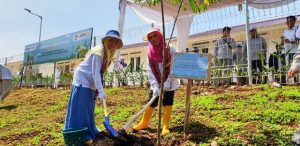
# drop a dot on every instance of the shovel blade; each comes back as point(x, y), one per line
point(110, 129)
point(107, 120)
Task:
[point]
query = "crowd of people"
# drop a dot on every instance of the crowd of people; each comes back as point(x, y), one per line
point(227, 53)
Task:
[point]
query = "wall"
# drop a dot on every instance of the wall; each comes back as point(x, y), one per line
point(15, 67)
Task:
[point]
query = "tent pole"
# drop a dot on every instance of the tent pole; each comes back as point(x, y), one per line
point(5, 64)
point(95, 39)
point(121, 21)
point(54, 70)
point(248, 43)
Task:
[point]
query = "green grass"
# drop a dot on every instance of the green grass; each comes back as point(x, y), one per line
point(260, 116)
point(292, 93)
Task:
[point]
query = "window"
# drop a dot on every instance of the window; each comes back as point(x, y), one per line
point(131, 65)
point(138, 63)
point(205, 50)
point(67, 68)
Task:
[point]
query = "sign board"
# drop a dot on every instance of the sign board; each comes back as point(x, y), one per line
point(66, 47)
point(191, 66)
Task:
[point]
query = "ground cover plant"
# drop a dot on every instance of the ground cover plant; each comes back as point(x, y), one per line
point(258, 115)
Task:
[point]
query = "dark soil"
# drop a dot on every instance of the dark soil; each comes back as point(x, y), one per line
point(148, 137)
point(138, 139)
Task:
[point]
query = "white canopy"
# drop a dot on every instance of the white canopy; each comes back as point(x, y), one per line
point(153, 14)
point(5, 81)
point(171, 10)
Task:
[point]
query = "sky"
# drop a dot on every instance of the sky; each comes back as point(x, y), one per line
point(19, 28)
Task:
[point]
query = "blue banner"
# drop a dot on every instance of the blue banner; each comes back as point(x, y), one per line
point(190, 66)
point(66, 47)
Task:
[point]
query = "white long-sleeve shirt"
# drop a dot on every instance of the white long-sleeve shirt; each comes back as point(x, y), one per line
point(224, 48)
point(257, 45)
point(298, 32)
point(154, 83)
point(88, 74)
point(290, 34)
point(296, 62)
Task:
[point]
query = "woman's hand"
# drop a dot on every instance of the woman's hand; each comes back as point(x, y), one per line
point(167, 85)
point(101, 95)
point(292, 73)
point(156, 92)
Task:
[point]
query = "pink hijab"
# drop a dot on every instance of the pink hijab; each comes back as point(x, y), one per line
point(155, 52)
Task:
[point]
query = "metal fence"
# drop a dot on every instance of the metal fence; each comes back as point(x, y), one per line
point(11, 59)
point(207, 28)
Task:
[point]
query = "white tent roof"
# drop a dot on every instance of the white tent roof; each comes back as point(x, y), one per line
point(153, 14)
point(171, 10)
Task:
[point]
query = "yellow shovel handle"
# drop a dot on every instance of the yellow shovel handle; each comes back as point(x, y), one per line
point(104, 107)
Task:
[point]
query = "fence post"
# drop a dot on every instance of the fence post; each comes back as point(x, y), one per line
point(5, 64)
point(95, 41)
point(248, 43)
point(54, 71)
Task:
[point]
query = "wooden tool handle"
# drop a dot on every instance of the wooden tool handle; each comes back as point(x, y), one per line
point(104, 107)
point(132, 119)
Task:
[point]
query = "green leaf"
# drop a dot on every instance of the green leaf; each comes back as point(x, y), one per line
point(194, 6)
point(202, 7)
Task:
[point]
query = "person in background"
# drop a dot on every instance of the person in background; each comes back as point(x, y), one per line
point(122, 64)
point(155, 57)
point(87, 79)
point(274, 61)
point(122, 67)
point(289, 39)
point(223, 56)
point(58, 72)
point(258, 52)
point(240, 63)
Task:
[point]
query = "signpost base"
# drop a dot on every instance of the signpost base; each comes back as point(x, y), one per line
point(187, 108)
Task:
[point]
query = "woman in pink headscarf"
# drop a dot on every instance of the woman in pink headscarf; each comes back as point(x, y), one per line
point(155, 57)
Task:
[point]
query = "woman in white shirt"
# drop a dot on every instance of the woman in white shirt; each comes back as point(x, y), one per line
point(88, 78)
point(155, 52)
point(289, 39)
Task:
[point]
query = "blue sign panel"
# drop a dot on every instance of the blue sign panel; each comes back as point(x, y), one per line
point(66, 47)
point(191, 66)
